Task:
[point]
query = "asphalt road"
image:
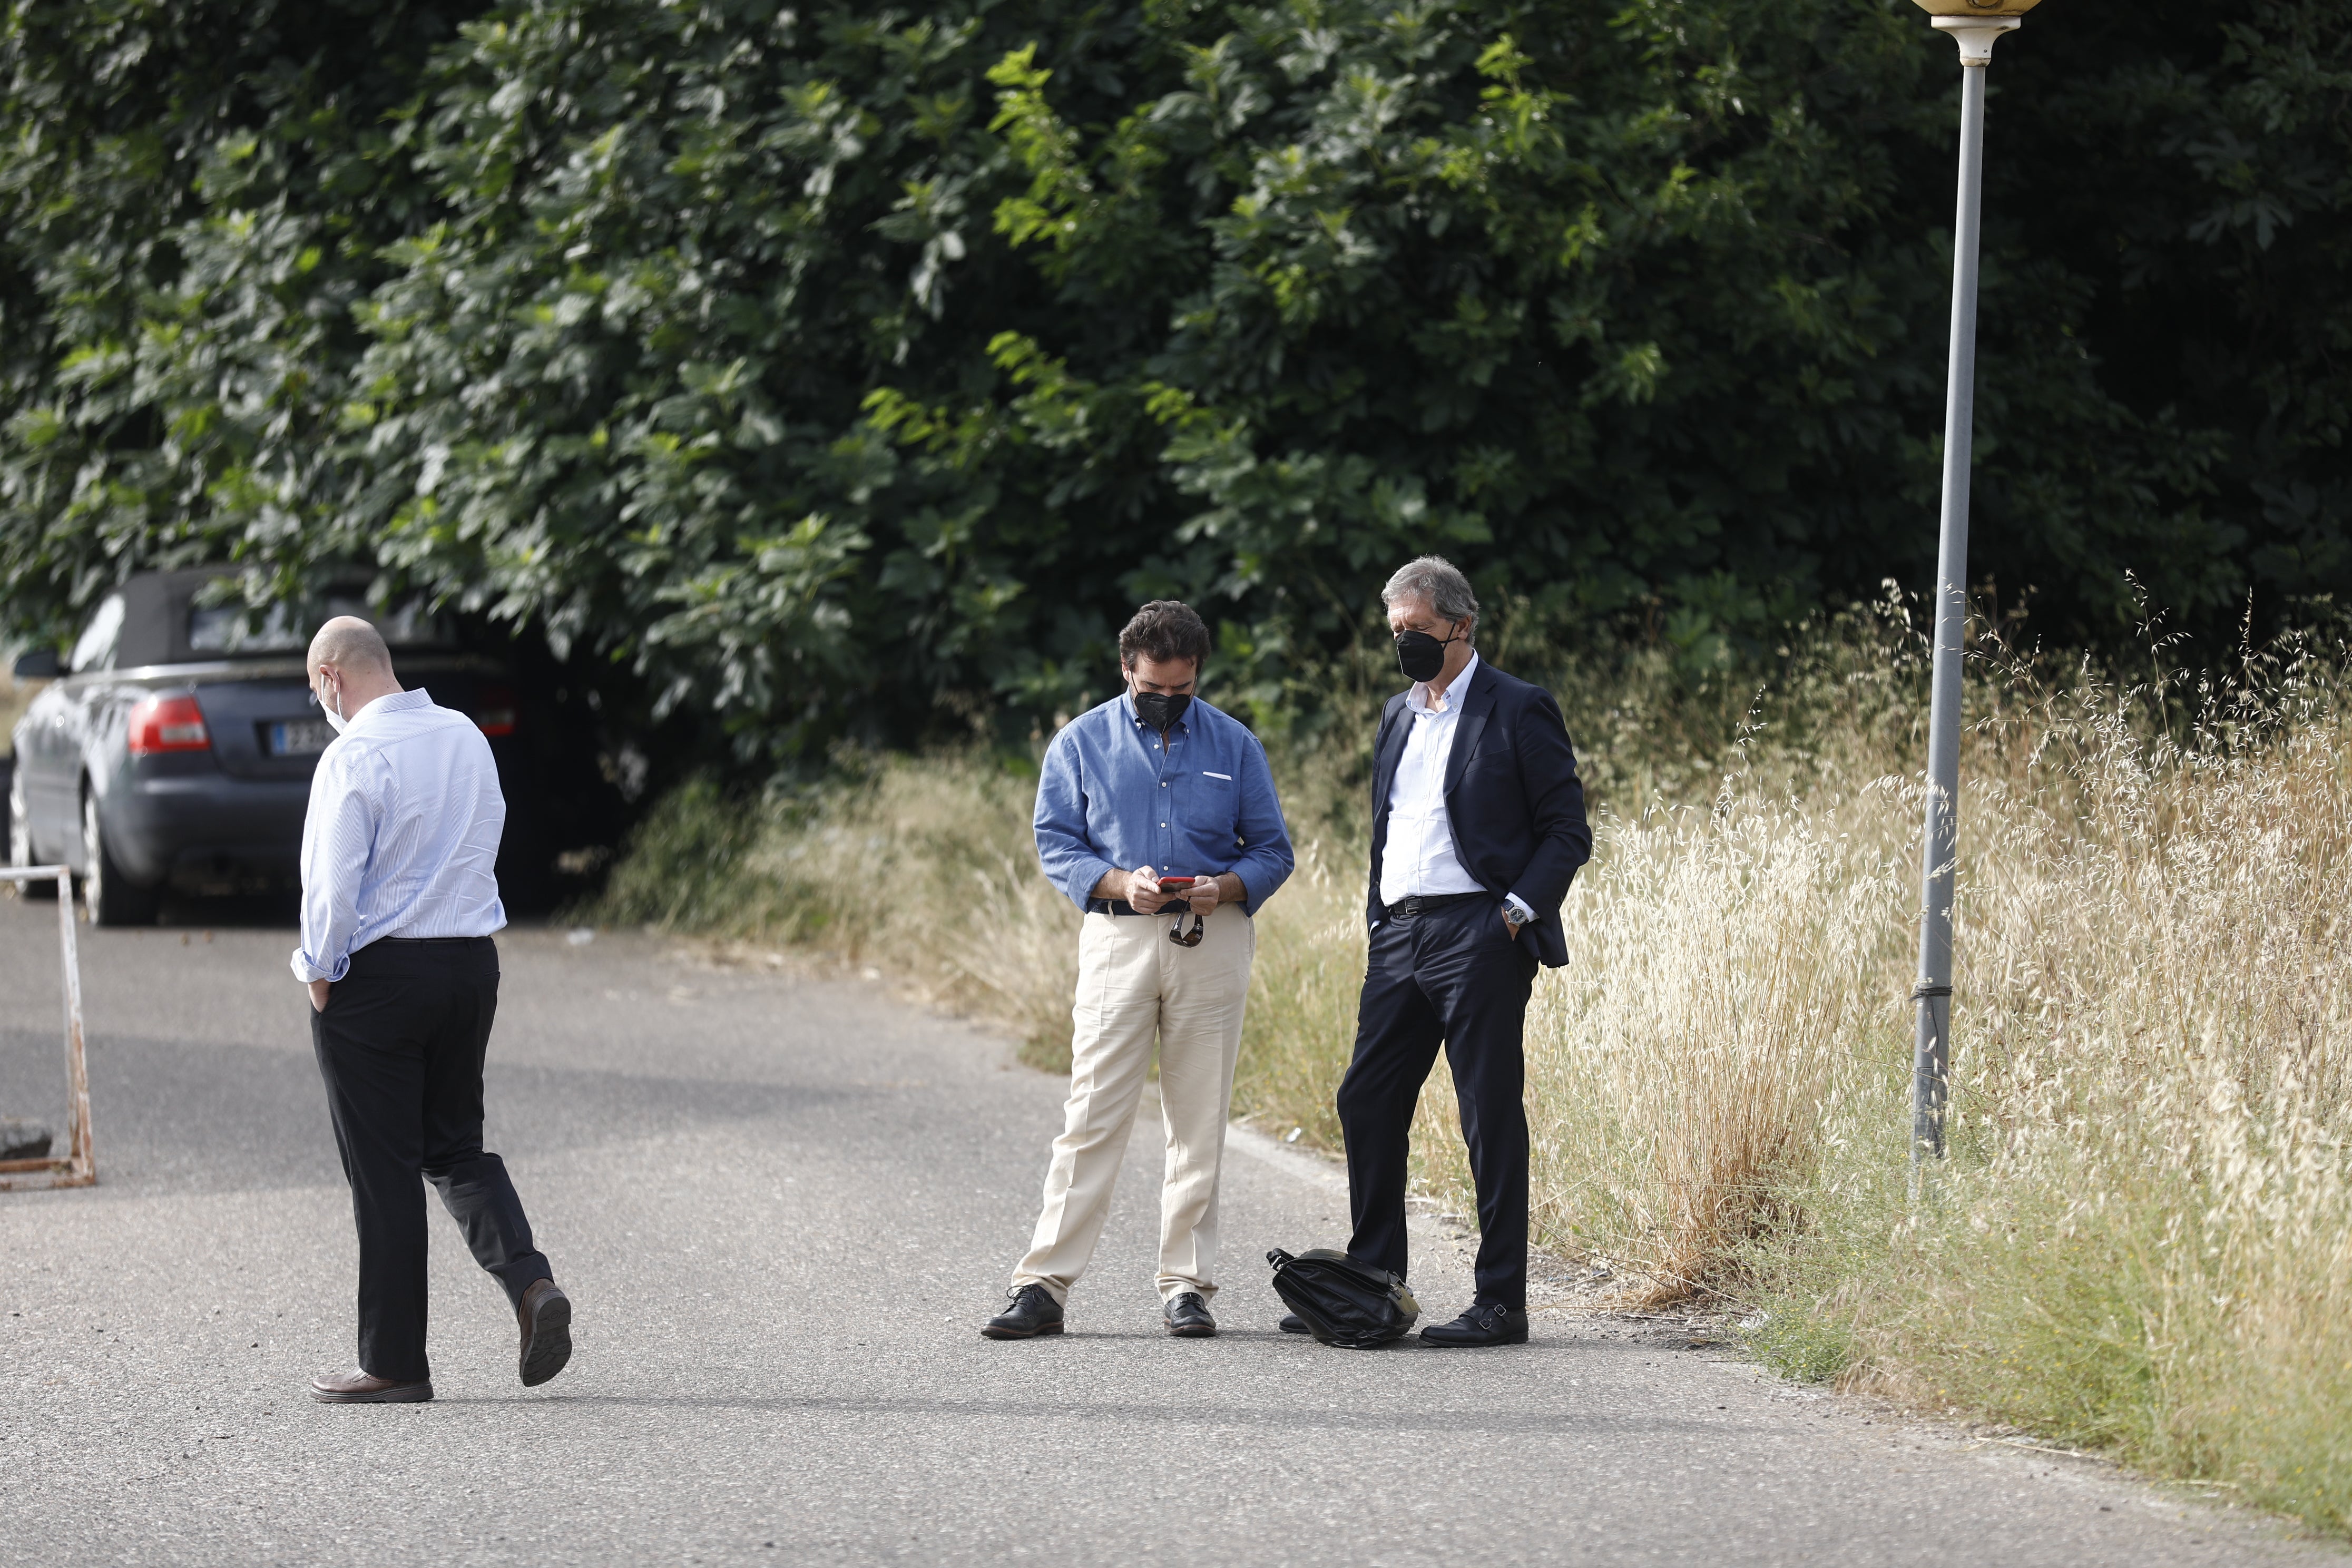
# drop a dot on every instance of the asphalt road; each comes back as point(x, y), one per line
point(782, 1207)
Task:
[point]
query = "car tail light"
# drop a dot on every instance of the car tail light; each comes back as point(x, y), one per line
point(168, 724)
point(494, 710)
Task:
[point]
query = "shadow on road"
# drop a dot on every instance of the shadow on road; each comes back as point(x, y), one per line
point(181, 1116)
point(1186, 1414)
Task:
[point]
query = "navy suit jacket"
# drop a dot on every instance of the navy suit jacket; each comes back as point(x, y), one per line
point(1513, 801)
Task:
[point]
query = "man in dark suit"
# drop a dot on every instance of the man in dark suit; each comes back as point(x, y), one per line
point(1478, 829)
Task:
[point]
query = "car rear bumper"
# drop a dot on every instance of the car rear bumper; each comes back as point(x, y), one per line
point(200, 829)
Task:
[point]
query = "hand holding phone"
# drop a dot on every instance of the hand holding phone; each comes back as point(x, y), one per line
point(1190, 889)
point(1142, 887)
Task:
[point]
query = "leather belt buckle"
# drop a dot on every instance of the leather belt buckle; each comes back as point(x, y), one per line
point(1419, 904)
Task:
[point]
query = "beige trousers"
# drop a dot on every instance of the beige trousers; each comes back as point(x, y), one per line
point(1135, 985)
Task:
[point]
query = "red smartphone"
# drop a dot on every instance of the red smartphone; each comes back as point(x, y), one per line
point(1177, 887)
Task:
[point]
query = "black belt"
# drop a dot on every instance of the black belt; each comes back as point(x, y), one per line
point(430, 941)
point(1419, 905)
point(1176, 906)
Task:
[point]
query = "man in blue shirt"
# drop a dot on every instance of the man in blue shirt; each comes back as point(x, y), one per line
point(1153, 786)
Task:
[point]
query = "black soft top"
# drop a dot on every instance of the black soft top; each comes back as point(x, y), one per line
point(156, 607)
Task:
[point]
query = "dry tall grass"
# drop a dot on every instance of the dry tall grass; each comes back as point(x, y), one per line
point(2147, 1241)
point(2142, 1239)
point(926, 869)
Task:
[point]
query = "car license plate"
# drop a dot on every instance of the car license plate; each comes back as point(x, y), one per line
point(298, 737)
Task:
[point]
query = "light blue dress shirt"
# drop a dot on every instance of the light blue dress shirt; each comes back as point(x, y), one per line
point(401, 838)
point(1112, 799)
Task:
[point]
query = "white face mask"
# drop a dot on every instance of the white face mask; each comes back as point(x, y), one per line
point(335, 718)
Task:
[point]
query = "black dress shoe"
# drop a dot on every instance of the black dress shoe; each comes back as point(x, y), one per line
point(1292, 1323)
point(1031, 1311)
point(1485, 1323)
point(545, 1315)
point(1188, 1316)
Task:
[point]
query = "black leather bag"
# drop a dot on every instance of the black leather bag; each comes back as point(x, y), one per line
point(1342, 1301)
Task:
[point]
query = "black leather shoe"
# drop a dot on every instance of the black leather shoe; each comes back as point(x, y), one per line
point(1483, 1324)
point(545, 1315)
point(1292, 1323)
point(1031, 1311)
point(1188, 1316)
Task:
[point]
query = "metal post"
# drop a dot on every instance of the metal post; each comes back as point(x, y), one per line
point(1932, 1051)
point(77, 1166)
point(80, 1160)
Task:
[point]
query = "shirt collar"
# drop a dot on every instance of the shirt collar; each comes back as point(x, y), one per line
point(392, 702)
point(1418, 698)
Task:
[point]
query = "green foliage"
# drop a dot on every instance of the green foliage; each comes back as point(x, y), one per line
point(193, 196)
point(854, 371)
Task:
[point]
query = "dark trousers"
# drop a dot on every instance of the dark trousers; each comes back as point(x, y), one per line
point(401, 1047)
point(1454, 975)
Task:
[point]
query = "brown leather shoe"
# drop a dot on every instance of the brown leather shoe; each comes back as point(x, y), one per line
point(546, 1315)
point(356, 1387)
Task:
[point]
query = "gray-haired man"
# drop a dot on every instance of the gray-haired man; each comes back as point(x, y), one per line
point(1478, 829)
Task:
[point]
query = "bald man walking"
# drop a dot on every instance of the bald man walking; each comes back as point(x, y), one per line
point(399, 899)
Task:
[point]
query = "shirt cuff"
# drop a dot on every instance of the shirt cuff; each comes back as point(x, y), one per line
point(1083, 878)
point(1518, 907)
point(306, 972)
point(1261, 879)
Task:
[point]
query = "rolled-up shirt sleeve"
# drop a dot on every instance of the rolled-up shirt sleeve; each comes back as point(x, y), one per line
point(1265, 854)
point(1063, 848)
point(338, 835)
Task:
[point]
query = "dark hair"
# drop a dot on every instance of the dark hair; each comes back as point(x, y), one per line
point(1164, 629)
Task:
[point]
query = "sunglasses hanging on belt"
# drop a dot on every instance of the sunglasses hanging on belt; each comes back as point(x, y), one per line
point(1182, 938)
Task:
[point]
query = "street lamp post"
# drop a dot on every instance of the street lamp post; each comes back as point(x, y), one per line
point(1974, 28)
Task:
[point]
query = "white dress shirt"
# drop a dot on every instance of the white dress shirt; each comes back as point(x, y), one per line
point(1418, 860)
point(401, 838)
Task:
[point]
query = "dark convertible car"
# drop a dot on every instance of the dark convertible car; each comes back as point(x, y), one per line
point(174, 748)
